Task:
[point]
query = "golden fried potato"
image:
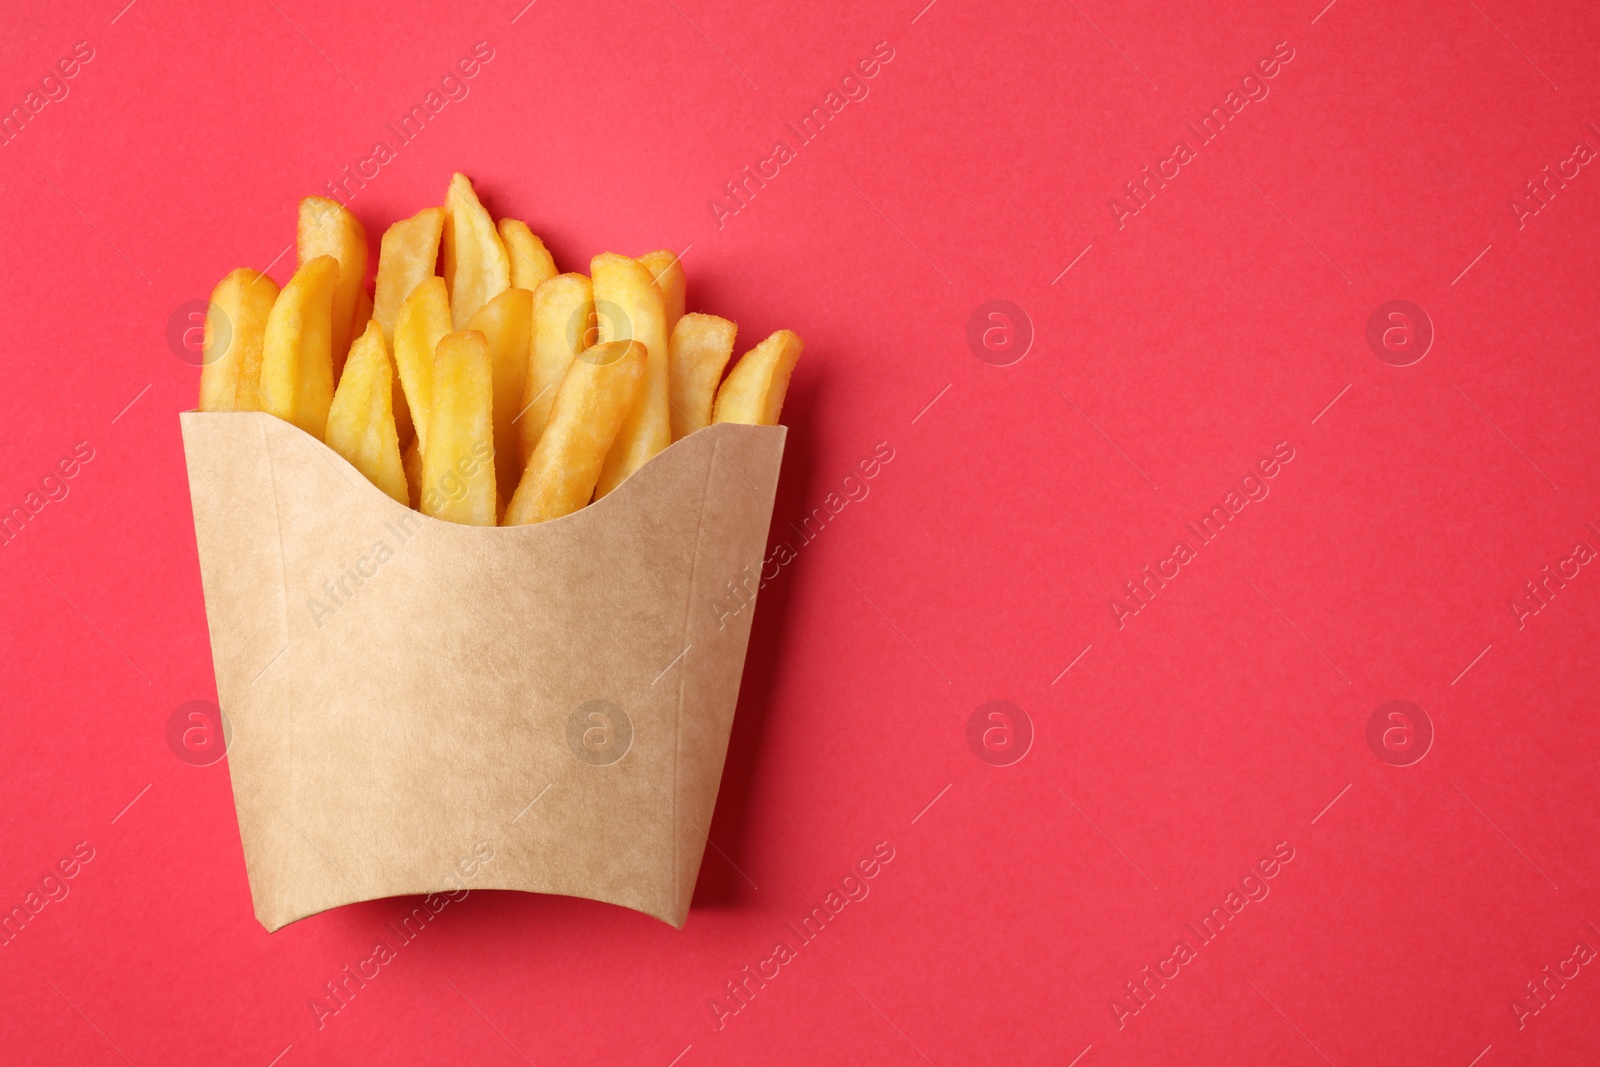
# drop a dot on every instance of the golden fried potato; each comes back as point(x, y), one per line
point(406, 259)
point(327, 228)
point(531, 263)
point(562, 309)
point(699, 351)
point(668, 273)
point(297, 349)
point(424, 320)
point(591, 406)
point(507, 323)
point(412, 462)
point(397, 398)
point(458, 479)
point(476, 266)
point(363, 316)
point(754, 390)
point(361, 419)
point(629, 307)
point(236, 327)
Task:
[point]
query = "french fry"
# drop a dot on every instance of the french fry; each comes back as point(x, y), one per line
point(363, 316)
point(406, 259)
point(361, 418)
point(412, 462)
point(397, 403)
point(591, 406)
point(327, 228)
point(476, 266)
point(562, 308)
point(397, 394)
point(458, 478)
point(507, 323)
point(668, 273)
point(297, 348)
point(236, 326)
point(424, 319)
point(629, 307)
point(755, 387)
point(531, 263)
point(698, 354)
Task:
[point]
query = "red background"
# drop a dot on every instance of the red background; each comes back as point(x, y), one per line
point(1223, 719)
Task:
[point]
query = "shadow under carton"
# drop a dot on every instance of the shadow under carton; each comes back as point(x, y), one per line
point(408, 695)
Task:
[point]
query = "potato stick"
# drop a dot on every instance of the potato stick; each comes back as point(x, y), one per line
point(406, 259)
point(507, 323)
point(363, 316)
point(327, 228)
point(603, 383)
point(698, 354)
point(668, 273)
point(397, 396)
point(424, 319)
point(297, 349)
point(629, 307)
point(476, 266)
point(755, 387)
point(361, 418)
point(236, 326)
point(458, 455)
point(397, 404)
point(412, 462)
point(562, 308)
point(531, 263)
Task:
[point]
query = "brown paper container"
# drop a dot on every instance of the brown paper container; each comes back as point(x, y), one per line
point(408, 696)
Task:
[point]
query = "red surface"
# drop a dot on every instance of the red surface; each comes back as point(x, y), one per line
point(1178, 751)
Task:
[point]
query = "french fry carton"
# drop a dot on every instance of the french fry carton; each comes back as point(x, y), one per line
point(419, 706)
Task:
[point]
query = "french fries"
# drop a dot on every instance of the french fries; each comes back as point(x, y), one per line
point(629, 307)
point(531, 263)
point(297, 349)
point(424, 320)
point(476, 266)
point(412, 462)
point(753, 393)
point(698, 353)
point(495, 389)
point(361, 418)
point(363, 316)
point(397, 395)
point(668, 273)
point(406, 257)
point(326, 228)
point(507, 323)
point(236, 327)
point(591, 406)
point(562, 308)
point(458, 480)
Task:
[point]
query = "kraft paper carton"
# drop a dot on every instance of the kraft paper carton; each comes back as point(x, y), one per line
point(419, 706)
